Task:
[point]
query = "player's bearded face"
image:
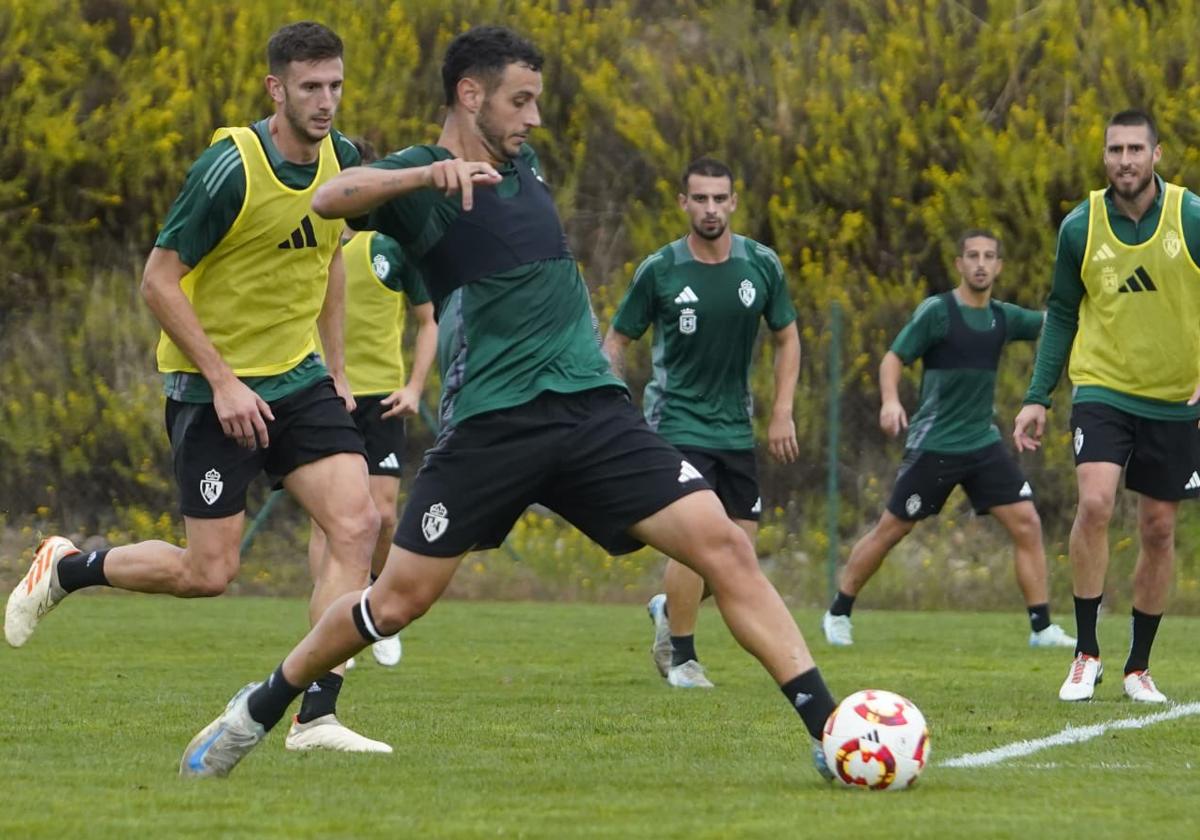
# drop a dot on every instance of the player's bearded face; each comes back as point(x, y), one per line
point(510, 111)
point(1130, 154)
point(312, 91)
point(979, 262)
point(709, 201)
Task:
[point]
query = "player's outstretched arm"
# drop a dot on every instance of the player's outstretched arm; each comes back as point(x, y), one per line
point(892, 418)
point(360, 189)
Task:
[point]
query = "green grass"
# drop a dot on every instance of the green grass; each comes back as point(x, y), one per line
point(547, 720)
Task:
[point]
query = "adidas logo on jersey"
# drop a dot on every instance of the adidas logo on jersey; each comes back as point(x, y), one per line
point(1103, 253)
point(687, 296)
point(391, 462)
point(1193, 483)
point(688, 473)
point(302, 237)
point(1132, 284)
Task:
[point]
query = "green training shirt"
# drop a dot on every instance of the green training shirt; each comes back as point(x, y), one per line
point(957, 407)
point(1067, 291)
point(506, 337)
point(705, 318)
point(203, 213)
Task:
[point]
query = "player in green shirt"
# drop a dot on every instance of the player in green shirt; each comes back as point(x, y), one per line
point(1125, 304)
point(705, 295)
point(952, 438)
point(533, 413)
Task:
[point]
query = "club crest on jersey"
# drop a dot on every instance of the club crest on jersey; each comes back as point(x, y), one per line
point(380, 266)
point(434, 522)
point(1108, 277)
point(912, 505)
point(746, 293)
point(1172, 244)
point(687, 321)
point(1078, 439)
point(211, 487)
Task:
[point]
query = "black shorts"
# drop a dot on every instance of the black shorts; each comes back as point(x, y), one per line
point(990, 476)
point(213, 472)
point(590, 457)
point(1161, 457)
point(733, 474)
point(384, 438)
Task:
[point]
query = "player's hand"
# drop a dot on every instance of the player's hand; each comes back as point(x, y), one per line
point(403, 402)
point(460, 176)
point(1195, 398)
point(892, 418)
point(342, 386)
point(781, 439)
point(242, 413)
point(1028, 427)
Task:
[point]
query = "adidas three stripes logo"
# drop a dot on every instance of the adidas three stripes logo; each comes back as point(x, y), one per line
point(1132, 283)
point(302, 237)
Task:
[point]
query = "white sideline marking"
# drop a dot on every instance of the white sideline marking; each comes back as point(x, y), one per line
point(1070, 735)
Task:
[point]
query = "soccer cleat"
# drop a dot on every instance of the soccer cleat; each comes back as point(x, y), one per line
point(819, 760)
point(1085, 674)
point(350, 663)
point(661, 650)
point(1051, 637)
point(838, 630)
point(218, 747)
point(387, 652)
point(1140, 687)
point(328, 733)
point(38, 592)
point(688, 675)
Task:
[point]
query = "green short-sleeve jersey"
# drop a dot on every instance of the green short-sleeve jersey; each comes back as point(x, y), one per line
point(506, 337)
point(957, 406)
point(201, 215)
point(705, 318)
point(1067, 292)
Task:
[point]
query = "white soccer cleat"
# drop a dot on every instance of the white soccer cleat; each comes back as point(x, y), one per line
point(350, 663)
point(387, 652)
point(661, 649)
point(1051, 637)
point(218, 747)
point(838, 630)
point(1140, 687)
point(688, 675)
point(38, 592)
point(328, 733)
point(1085, 674)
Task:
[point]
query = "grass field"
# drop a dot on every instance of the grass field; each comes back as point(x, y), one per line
point(547, 720)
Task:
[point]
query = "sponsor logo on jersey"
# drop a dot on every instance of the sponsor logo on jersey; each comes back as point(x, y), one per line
point(1109, 279)
point(912, 505)
point(687, 296)
point(687, 321)
point(434, 522)
point(211, 487)
point(302, 237)
point(1103, 253)
point(746, 293)
point(1139, 281)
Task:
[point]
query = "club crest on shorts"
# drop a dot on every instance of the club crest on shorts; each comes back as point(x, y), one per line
point(381, 266)
point(687, 321)
point(434, 522)
point(1172, 244)
point(746, 293)
point(1078, 439)
point(912, 505)
point(211, 486)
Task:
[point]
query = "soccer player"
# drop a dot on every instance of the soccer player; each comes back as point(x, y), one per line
point(531, 411)
point(378, 278)
point(952, 438)
point(239, 275)
point(705, 294)
point(1125, 304)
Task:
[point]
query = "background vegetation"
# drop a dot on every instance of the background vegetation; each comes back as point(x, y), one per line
point(865, 134)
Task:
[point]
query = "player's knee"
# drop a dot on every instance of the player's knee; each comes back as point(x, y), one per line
point(1027, 527)
point(725, 553)
point(206, 579)
point(387, 522)
point(1157, 533)
point(395, 610)
point(1095, 511)
point(356, 530)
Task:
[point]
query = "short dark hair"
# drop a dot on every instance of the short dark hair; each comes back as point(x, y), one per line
point(366, 150)
point(985, 233)
point(302, 41)
point(707, 167)
point(1134, 116)
point(485, 51)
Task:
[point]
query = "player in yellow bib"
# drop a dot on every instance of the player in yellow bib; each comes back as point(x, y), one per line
point(1126, 302)
point(240, 274)
point(378, 277)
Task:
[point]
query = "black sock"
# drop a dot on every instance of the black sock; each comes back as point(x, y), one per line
point(1086, 611)
point(809, 696)
point(842, 604)
point(269, 702)
point(1144, 628)
point(1039, 617)
point(683, 648)
point(76, 571)
point(320, 698)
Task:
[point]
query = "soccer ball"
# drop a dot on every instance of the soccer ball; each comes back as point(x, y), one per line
point(876, 740)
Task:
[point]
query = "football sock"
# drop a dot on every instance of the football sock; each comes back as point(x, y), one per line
point(320, 698)
point(842, 604)
point(1086, 611)
point(76, 571)
point(1039, 617)
point(683, 648)
point(1144, 628)
point(269, 702)
point(809, 696)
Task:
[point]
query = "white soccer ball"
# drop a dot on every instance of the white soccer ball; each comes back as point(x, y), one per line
point(876, 740)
